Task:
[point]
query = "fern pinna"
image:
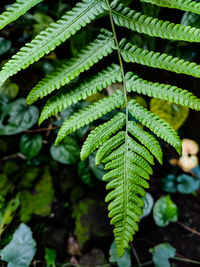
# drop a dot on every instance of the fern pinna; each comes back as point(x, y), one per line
point(126, 149)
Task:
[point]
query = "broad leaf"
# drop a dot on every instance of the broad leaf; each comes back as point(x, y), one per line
point(68, 152)
point(187, 184)
point(21, 250)
point(30, 145)
point(121, 262)
point(50, 257)
point(5, 45)
point(9, 89)
point(162, 253)
point(165, 211)
point(169, 183)
point(148, 205)
point(16, 117)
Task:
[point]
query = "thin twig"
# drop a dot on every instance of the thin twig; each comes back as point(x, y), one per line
point(41, 130)
point(16, 155)
point(135, 254)
point(188, 228)
point(186, 260)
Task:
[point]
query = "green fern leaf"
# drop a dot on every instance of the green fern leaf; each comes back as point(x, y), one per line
point(186, 5)
point(81, 91)
point(135, 158)
point(82, 14)
point(162, 91)
point(146, 139)
point(140, 150)
point(109, 145)
point(137, 169)
point(114, 154)
point(132, 53)
point(125, 17)
point(155, 124)
point(15, 11)
point(126, 203)
point(90, 113)
point(99, 48)
point(101, 134)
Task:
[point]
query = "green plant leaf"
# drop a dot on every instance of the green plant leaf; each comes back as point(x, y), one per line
point(165, 211)
point(9, 89)
point(5, 45)
point(99, 170)
point(50, 257)
point(191, 19)
point(21, 250)
point(84, 172)
point(7, 214)
point(187, 184)
point(169, 183)
point(38, 201)
point(16, 117)
point(174, 114)
point(161, 254)
point(121, 262)
point(30, 145)
point(148, 205)
point(67, 152)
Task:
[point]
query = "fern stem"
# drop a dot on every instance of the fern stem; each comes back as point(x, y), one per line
point(126, 103)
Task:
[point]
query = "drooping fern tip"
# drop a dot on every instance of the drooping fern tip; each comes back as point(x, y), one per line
point(126, 149)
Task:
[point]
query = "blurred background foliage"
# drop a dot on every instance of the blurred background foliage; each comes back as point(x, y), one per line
point(52, 210)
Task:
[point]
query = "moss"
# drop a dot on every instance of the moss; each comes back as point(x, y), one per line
point(90, 220)
point(29, 177)
point(11, 167)
point(5, 185)
point(39, 201)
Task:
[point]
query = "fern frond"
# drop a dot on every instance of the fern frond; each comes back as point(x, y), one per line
point(137, 169)
point(185, 5)
point(132, 53)
point(155, 124)
point(82, 14)
point(16, 10)
point(101, 134)
point(61, 100)
point(90, 113)
point(125, 17)
point(126, 204)
point(140, 150)
point(162, 91)
point(109, 146)
point(114, 154)
point(96, 50)
point(146, 139)
point(135, 158)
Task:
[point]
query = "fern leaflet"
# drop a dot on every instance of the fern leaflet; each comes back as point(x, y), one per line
point(81, 91)
point(15, 11)
point(99, 48)
point(82, 14)
point(155, 124)
point(162, 91)
point(146, 139)
point(186, 5)
point(132, 53)
point(125, 17)
point(90, 113)
point(101, 133)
